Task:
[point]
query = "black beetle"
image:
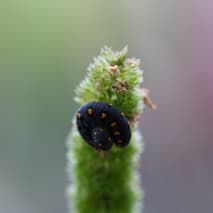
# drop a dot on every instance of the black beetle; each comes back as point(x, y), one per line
point(101, 125)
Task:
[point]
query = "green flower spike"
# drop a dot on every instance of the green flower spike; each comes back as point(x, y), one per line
point(108, 183)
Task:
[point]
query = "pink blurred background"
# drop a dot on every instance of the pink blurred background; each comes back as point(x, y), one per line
point(177, 50)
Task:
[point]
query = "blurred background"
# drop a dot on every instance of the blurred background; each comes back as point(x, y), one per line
point(45, 48)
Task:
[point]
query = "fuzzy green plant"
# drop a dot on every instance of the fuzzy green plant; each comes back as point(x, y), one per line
point(109, 183)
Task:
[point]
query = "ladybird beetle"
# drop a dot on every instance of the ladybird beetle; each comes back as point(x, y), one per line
point(101, 125)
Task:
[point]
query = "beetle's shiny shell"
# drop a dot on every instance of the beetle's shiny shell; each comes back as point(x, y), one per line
point(101, 125)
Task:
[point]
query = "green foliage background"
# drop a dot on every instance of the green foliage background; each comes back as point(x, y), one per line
point(45, 47)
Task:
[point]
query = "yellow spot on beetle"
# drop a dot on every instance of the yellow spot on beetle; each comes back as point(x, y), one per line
point(122, 114)
point(113, 124)
point(116, 133)
point(101, 129)
point(90, 111)
point(109, 139)
point(79, 115)
point(119, 141)
point(103, 115)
